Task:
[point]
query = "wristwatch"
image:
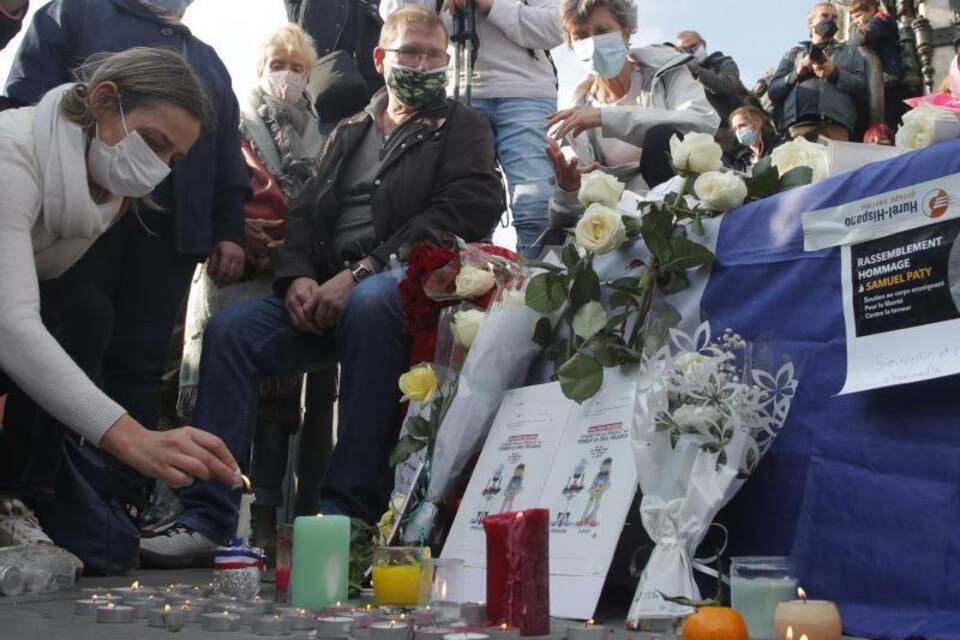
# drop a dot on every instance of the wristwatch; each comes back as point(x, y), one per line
point(360, 272)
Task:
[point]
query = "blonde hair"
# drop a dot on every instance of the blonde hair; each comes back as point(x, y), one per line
point(407, 16)
point(574, 11)
point(816, 7)
point(753, 113)
point(291, 39)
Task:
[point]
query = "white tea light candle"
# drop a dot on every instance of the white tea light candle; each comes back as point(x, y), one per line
point(220, 621)
point(391, 630)
point(587, 631)
point(503, 632)
point(115, 614)
point(271, 626)
point(334, 627)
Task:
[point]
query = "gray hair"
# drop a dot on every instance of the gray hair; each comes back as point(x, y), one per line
point(624, 11)
point(144, 76)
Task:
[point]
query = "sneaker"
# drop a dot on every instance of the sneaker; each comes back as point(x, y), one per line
point(177, 547)
point(19, 525)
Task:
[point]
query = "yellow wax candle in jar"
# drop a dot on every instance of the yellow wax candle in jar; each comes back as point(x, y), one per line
point(401, 576)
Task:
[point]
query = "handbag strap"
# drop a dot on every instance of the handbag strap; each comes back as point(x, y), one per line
point(259, 134)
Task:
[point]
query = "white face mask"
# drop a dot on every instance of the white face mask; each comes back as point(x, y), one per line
point(284, 85)
point(129, 169)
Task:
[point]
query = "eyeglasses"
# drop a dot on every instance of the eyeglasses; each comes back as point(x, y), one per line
point(411, 56)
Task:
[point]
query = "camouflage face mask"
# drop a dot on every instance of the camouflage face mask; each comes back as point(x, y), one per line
point(415, 88)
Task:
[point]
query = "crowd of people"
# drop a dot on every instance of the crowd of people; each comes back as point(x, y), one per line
point(132, 175)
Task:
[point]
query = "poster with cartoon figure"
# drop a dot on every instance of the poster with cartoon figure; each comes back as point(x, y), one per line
point(576, 460)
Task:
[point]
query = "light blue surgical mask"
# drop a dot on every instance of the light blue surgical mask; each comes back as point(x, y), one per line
point(747, 136)
point(604, 55)
point(172, 7)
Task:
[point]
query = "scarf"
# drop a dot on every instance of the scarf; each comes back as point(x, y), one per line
point(295, 132)
point(61, 147)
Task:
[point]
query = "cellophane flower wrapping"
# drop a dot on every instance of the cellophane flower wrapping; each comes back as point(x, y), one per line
point(497, 361)
point(705, 417)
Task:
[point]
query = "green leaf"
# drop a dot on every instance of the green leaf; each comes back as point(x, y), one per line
point(589, 320)
point(673, 281)
point(543, 333)
point(674, 438)
point(796, 177)
point(629, 285)
point(620, 299)
point(570, 257)
point(556, 353)
point(764, 182)
point(406, 447)
point(663, 317)
point(688, 254)
point(606, 355)
point(697, 225)
point(722, 459)
point(658, 221)
point(586, 287)
point(546, 293)
point(580, 377)
point(418, 427)
point(633, 225)
point(659, 245)
point(614, 322)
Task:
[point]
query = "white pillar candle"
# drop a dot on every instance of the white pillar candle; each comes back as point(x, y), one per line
point(334, 627)
point(391, 630)
point(115, 614)
point(816, 619)
point(587, 631)
point(223, 621)
point(272, 626)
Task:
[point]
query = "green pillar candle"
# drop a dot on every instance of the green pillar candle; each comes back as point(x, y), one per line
point(321, 559)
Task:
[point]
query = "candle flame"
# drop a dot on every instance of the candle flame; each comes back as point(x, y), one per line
point(302, 612)
point(520, 515)
point(276, 616)
point(503, 626)
point(226, 613)
point(338, 603)
point(802, 594)
point(367, 607)
point(789, 633)
point(803, 637)
point(94, 597)
point(591, 622)
point(109, 605)
point(166, 608)
point(135, 585)
point(403, 616)
point(319, 515)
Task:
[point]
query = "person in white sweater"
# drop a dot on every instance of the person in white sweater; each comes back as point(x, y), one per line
point(69, 168)
point(515, 87)
point(622, 116)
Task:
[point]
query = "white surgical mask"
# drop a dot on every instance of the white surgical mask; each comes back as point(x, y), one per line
point(604, 55)
point(747, 136)
point(129, 169)
point(284, 85)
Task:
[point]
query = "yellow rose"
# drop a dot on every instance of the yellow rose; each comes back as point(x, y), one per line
point(418, 384)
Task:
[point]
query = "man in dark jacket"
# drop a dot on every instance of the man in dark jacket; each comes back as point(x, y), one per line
point(11, 17)
point(718, 74)
point(818, 85)
point(352, 26)
point(879, 32)
point(412, 164)
point(144, 262)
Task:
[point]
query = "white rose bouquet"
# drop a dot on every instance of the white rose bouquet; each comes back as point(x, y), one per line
point(703, 422)
point(926, 125)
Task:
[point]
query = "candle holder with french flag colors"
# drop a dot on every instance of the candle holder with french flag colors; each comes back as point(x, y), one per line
point(518, 570)
point(237, 568)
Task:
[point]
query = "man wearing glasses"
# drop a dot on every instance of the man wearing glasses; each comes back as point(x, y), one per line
point(410, 165)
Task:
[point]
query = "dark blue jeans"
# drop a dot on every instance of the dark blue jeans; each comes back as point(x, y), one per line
point(250, 341)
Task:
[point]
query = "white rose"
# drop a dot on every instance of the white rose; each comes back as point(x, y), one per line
point(698, 152)
point(473, 281)
point(801, 153)
point(915, 134)
point(465, 326)
point(600, 229)
point(696, 368)
point(589, 320)
point(696, 418)
point(720, 191)
point(600, 187)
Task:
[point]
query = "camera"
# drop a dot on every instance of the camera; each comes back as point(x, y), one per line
point(817, 53)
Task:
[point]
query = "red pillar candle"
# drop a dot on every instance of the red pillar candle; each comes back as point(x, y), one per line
point(518, 570)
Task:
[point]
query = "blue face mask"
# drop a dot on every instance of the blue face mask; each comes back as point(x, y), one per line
point(173, 7)
point(747, 136)
point(604, 55)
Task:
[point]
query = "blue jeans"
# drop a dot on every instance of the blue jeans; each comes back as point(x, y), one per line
point(250, 341)
point(520, 135)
